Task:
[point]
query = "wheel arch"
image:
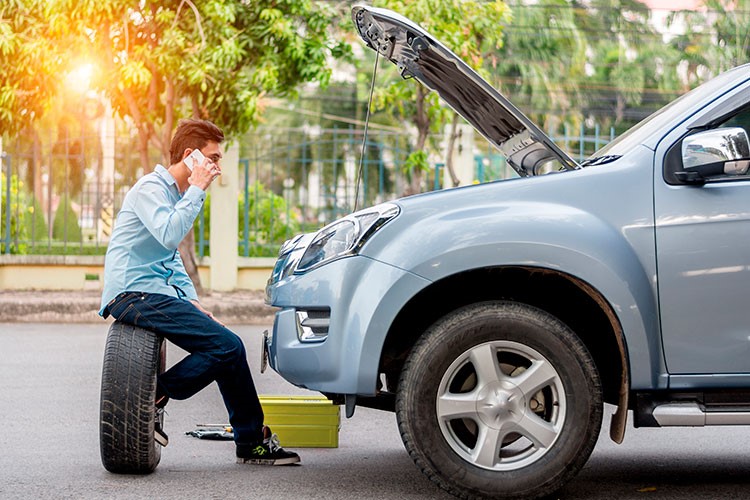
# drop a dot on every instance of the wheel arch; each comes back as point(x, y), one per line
point(570, 299)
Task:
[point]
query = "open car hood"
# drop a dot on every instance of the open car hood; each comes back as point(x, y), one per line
point(419, 55)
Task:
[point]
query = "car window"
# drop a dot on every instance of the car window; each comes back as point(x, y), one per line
point(742, 119)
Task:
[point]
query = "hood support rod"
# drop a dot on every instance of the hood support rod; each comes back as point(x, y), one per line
point(364, 134)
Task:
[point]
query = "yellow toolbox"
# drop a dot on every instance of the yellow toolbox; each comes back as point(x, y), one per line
point(303, 421)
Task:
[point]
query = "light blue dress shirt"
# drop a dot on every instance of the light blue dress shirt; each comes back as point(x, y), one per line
point(142, 254)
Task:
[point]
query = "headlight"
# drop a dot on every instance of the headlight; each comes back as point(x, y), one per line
point(289, 254)
point(345, 236)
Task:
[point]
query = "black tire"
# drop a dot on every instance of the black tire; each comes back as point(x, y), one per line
point(507, 379)
point(132, 359)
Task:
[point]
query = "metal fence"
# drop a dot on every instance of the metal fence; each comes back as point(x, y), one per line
point(298, 180)
point(60, 196)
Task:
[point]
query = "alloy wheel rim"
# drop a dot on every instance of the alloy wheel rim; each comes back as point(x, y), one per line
point(501, 405)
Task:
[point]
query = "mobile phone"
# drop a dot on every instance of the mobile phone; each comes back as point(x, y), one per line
point(193, 159)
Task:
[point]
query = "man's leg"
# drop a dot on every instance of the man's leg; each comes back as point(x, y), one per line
point(216, 353)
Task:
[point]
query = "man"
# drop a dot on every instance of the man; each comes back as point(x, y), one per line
point(145, 284)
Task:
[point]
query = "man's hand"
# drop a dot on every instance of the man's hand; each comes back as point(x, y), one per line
point(204, 174)
point(201, 309)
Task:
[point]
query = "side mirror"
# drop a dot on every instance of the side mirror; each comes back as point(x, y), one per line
point(714, 153)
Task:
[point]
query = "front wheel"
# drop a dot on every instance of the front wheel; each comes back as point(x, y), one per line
point(499, 399)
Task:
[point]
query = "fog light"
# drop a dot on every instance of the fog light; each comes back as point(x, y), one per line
point(312, 325)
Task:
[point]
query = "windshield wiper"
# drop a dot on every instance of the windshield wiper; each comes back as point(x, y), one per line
point(600, 160)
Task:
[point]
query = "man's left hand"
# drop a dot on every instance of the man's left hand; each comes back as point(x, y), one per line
point(203, 310)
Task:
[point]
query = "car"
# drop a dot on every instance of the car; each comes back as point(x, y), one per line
point(496, 320)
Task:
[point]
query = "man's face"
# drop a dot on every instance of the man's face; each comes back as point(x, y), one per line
point(212, 151)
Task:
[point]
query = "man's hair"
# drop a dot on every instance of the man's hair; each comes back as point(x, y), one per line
point(193, 134)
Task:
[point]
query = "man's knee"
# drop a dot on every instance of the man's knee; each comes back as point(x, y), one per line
point(232, 349)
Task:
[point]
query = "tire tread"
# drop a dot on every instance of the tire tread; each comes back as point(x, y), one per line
point(128, 389)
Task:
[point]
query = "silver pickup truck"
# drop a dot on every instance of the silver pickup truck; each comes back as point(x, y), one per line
point(497, 319)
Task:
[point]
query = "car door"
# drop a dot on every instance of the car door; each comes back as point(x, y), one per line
point(703, 257)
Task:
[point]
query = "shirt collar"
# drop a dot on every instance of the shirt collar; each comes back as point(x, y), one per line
point(162, 172)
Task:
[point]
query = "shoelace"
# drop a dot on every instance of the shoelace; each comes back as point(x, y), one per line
point(273, 442)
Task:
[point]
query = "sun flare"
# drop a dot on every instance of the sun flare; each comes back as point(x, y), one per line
point(79, 78)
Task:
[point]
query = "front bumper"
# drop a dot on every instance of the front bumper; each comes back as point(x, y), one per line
point(363, 296)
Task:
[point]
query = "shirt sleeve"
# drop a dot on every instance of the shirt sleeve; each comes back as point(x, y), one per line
point(166, 222)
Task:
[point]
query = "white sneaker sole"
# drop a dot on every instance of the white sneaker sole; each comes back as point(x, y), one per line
point(162, 439)
point(268, 461)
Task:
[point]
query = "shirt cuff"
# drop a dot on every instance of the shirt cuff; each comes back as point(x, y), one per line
point(195, 194)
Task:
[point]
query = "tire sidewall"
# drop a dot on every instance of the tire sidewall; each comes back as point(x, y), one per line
point(475, 325)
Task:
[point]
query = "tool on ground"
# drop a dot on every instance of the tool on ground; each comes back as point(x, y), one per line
point(218, 432)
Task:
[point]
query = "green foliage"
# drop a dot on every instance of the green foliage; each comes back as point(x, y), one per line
point(542, 58)
point(26, 217)
point(416, 162)
point(63, 248)
point(713, 40)
point(630, 64)
point(37, 226)
point(216, 59)
point(32, 60)
point(471, 28)
point(65, 226)
point(18, 215)
point(270, 221)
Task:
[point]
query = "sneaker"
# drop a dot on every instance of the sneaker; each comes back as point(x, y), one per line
point(159, 435)
point(269, 452)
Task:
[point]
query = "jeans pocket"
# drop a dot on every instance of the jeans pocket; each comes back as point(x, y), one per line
point(122, 314)
point(119, 304)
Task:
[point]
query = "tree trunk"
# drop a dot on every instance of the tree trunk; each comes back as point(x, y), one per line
point(187, 252)
point(422, 121)
point(449, 151)
point(619, 108)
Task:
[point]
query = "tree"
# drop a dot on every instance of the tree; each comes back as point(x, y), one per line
point(631, 62)
point(214, 59)
point(32, 61)
point(472, 29)
point(161, 60)
point(542, 59)
point(714, 40)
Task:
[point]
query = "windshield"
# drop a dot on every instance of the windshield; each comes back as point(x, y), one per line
point(692, 101)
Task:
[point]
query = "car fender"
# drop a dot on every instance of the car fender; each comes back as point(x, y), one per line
point(551, 236)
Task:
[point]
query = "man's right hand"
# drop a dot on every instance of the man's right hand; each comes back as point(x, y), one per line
point(204, 174)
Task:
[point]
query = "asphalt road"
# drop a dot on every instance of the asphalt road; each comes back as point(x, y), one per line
point(49, 399)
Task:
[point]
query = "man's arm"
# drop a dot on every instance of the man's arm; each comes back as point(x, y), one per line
point(166, 222)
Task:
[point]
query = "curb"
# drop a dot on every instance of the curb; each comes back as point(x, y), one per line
point(231, 308)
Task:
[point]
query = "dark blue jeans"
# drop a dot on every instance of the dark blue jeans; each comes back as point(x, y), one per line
point(216, 354)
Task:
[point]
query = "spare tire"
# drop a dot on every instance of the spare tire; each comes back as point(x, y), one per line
point(133, 357)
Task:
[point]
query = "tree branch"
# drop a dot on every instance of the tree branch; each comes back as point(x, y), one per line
point(197, 20)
